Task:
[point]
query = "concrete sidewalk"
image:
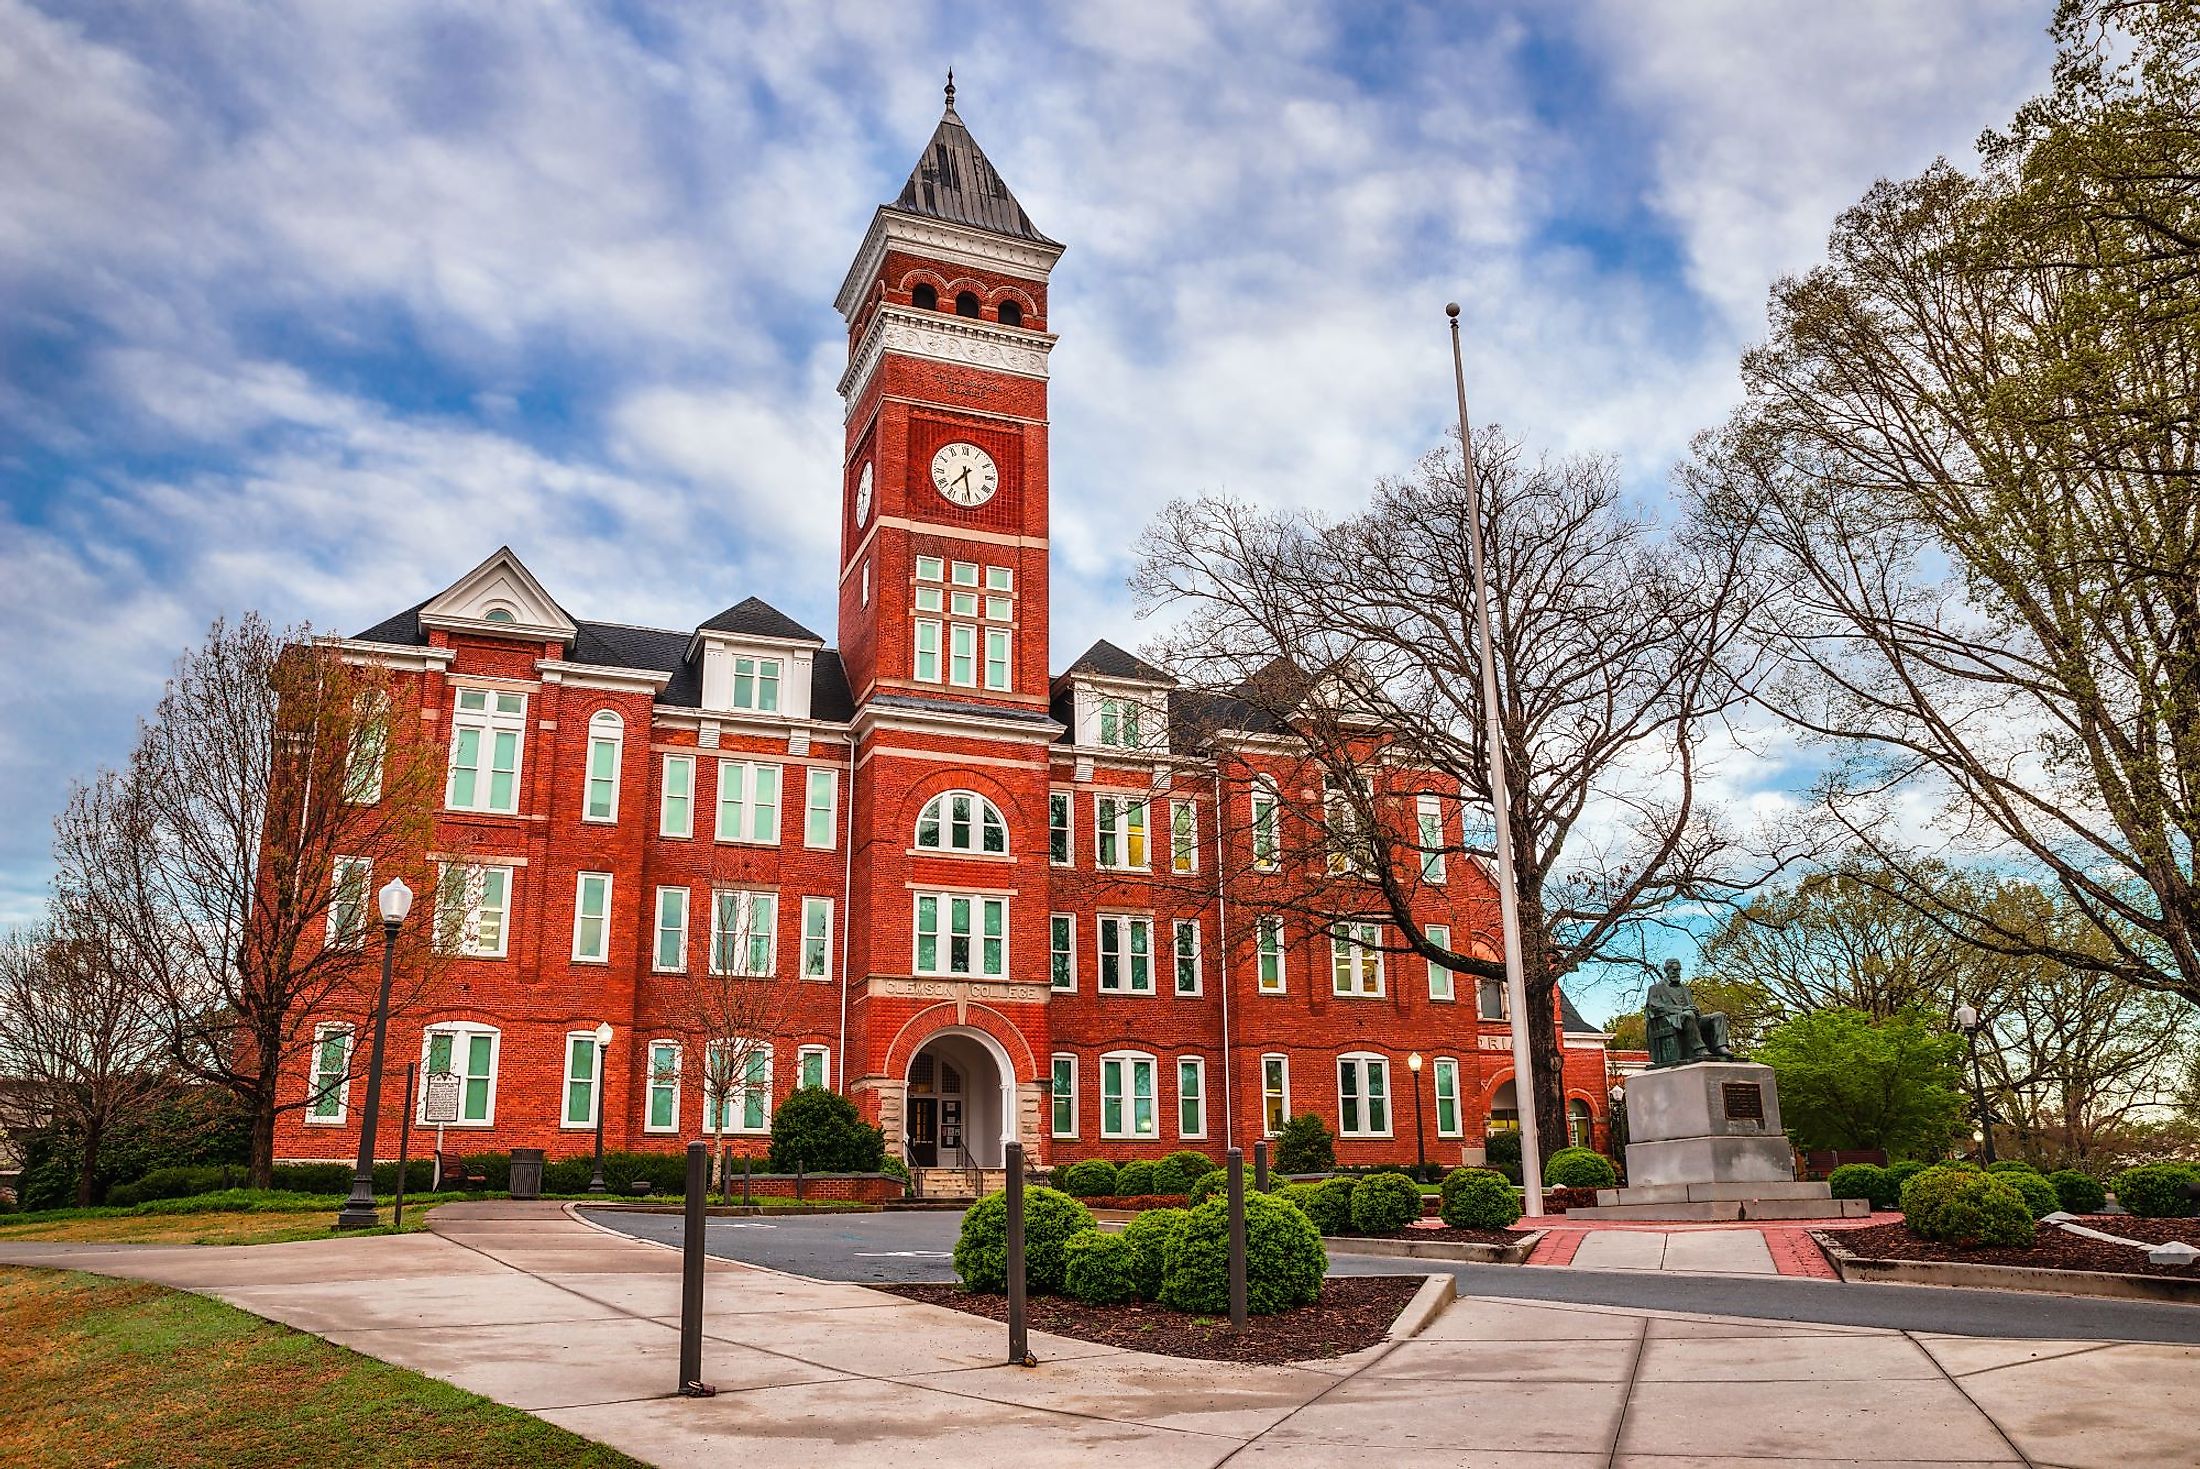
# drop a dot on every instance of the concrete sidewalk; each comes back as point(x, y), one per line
point(534, 1308)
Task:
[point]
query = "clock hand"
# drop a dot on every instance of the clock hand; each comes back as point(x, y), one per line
point(964, 477)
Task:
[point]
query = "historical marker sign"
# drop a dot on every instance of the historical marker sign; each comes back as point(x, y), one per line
point(1745, 1102)
point(439, 1098)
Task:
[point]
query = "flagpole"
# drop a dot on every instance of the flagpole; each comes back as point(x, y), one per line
point(1508, 887)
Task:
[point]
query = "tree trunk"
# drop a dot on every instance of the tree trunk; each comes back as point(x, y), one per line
point(87, 1167)
point(261, 1101)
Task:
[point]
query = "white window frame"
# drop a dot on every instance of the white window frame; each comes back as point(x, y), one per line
point(1178, 928)
point(462, 1033)
point(350, 889)
point(1198, 1065)
point(826, 780)
point(653, 1082)
point(488, 721)
point(1443, 980)
point(318, 1087)
point(1126, 1097)
point(1056, 1097)
point(735, 1105)
point(1064, 805)
point(1119, 724)
point(763, 671)
point(1357, 946)
point(1266, 825)
point(746, 807)
point(370, 748)
point(1265, 929)
point(1438, 1069)
point(1124, 953)
point(824, 1056)
point(665, 828)
point(1183, 845)
point(943, 934)
point(1067, 922)
point(1272, 1120)
point(997, 641)
point(925, 649)
point(1482, 990)
point(1429, 817)
point(742, 935)
point(1366, 1064)
point(962, 654)
point(475, 878)
point(607, 733)
point(658, 928)
point(1113, 814)
point(821, 909)
point(984, 817)
point(581, 916)
point(594, 1083)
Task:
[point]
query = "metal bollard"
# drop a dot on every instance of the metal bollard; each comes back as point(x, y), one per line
point(1237, 1238)
point(1019, 1333)
point(1260, 1167)
point(691, 1277)
point(404, 1150)
point(745, 1163)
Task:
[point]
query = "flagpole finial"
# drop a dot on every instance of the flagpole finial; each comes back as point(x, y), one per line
point(951, 89)
point(1451, 309)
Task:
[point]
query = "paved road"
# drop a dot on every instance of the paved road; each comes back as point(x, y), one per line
point(917, 1246)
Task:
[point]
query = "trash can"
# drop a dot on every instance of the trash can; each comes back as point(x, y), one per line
point(526, 1173)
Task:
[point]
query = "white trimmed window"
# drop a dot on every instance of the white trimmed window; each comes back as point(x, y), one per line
point(1349, 850)
point(756, 684)
point(582, 1063)
point(370, 746)
point(1062, 1095)
point(350, 879)
point(1119, 723)
point(817, 938)
point(1059, 848)
point(487, 730)
point(820, 805)
point(928, 649)
point(746, 1104)
point(1430, 813)
point(996, 658)
point(1275, 1093)
point(964, 573)
point(1126, 1095)
point(1490, 1002)
point(1183, 836)
point(664, 1083)
point(1446, 1072)
point(472, 904)
point(744, 932)
point(748, 802)
point(812, 1066)
point(592, 918)
point(1356, 958)
point(1268, 946)
point(866, 581)
point(671, 950)
point(1062, 952)
point(1363, 1095)
point(1119, 832)
point(676, 805)
point(1191, 1096)
point(606, 742)
point(1126, 954)
point(962, 934)
point(331, 1085)
point(962, 821)
point(931, 568)
point(468, 1051)
point(1440, 980)
point(962, 654)
point(1266, 837)
point(1186, 953)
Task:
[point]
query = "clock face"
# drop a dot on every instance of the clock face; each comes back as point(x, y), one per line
point(965, 474)
point(863, 496)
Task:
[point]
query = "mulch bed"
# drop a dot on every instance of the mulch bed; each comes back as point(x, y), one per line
point(2051, 1249)
point(1439, 1232)
point(1354, 1311)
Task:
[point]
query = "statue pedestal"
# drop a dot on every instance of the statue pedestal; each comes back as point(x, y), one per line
point(1705, 1143)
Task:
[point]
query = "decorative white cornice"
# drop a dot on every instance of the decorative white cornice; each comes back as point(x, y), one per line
point(943, 338)
point(393, 655)
point(873, 718)
point(941, 240)
point(601, 676)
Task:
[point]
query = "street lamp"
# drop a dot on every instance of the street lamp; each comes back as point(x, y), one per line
point(603, 1047)
point(396, 901)
point(1420, 1147)
point(1967, 1021)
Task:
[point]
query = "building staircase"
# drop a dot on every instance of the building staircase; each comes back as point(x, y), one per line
point(956, 1185)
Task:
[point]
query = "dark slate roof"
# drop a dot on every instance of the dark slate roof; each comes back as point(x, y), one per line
point(954, 181)
point(403, 630)
point(1570, 1020)
point(754, 617)
point(1106, 660)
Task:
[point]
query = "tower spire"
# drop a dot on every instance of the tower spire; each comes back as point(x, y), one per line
point(951, 93)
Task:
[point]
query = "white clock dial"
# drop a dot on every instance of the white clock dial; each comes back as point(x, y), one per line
point(965, 473)
point(863, 496)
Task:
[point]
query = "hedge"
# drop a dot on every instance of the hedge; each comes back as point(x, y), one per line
point(2157, 1190)
point(1327, 1203)
point(2079, 1191)
point(1284, 1258)
point(1096, 1268)
point(1051, 1219)
point(1137, 1177)
point(1963, 1206)
point(1384, 1203)
point(1479, 1198)
point(1214, 1182)
point(1502, 1146)
point(1148, 1236)
point(1090, 1179)
point(1580, 1168)
point(1865, 1181)
point(1177, 1173)
point(1901, 1173)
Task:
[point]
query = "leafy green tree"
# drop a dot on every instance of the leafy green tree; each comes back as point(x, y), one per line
point(1848, 1081)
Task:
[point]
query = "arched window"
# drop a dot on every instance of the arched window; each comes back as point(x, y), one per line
point(966, 304)
point(498, 614)
point(1580, 1125)
point(924, 298)
point(961, 821)
point(606, 741)
point(1010, 314)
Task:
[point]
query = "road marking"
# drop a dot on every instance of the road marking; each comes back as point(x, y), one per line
point(903, 1254)
point(741, 1224)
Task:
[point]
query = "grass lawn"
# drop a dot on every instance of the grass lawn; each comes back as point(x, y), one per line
point(109, 1372)
point(233, 1217)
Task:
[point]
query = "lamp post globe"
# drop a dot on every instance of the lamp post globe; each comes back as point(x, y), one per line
point(395, 900)
point(596, 1184)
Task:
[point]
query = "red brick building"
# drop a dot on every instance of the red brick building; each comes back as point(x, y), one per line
point(984, 895)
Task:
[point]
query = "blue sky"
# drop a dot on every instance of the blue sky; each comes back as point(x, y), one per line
point(306, 308)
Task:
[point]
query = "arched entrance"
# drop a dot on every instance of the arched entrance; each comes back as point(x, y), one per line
point(959, 1101)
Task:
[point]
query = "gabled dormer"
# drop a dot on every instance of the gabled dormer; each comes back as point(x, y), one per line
point(756, 661)
point(500, 598)
point(1114, 700)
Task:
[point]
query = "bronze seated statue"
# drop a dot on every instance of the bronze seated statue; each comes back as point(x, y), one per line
point(1679, 1033)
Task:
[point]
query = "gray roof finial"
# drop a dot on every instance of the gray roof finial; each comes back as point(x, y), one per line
point(951, 91)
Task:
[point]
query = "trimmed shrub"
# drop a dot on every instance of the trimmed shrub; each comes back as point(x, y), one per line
point(1148, 1236)
point(2039, 1195)
point(1502, 1146)
point(1177, 1173)
point(1215, 1182)
point(1479, 1198)
point(1091, 1179)
point(1306, 1145)
point(1284, 1258)
point(1901, 1173)
point(2157, 1190)
point(1136, 1177)
point(1327, 1203)
point(1865, 1181)
point(2079, 1191)
point(1580, 1168)
point(1051, 1219)
point(2011, 1165)
point(894, 1168)
point(1963, 1206)
point(1384, 1203)
point(1096, 1268)
point(820, 1130)
point(666, 1173)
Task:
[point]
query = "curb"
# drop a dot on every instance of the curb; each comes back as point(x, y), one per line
point(2009, 1277)
point(1436, 1292)
point(1438, 1249)
point(729, 1211)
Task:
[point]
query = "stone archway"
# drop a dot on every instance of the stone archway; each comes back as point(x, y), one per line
point(958, 1100)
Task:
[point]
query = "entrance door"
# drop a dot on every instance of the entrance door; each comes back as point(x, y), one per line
point(924, 1132)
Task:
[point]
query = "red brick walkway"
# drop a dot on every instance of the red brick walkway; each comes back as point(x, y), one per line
point(1790, 1245)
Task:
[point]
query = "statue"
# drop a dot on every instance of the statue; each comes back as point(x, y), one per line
point(1679, 1033)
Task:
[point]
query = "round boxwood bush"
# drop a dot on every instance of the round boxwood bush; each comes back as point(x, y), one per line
point(1148, 1237)
point(1479, 1198)
point(1901, 1173)
point(1864, 1181)
point(2011, 1165)
point(1096, 1268)
point(1051, 1219)
point(1177, 1173)
point(1963, 1206)
point(1090, 1179)
point(1579, 1168)
point(1306, 1145)
point(1501, 1147)
point(1211, 1184)
point(2039, 1195)
point(2079, 1191)
point(1136, 1177)
point(1384, 1203)
point(2157, 1190)
point(1329, 1204)
point(1284, 1258)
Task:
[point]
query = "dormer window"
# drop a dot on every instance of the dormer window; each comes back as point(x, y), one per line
point(962, 821)
point(756, 684)
point(924, 298)
point(1119, 723)
point(499, 614)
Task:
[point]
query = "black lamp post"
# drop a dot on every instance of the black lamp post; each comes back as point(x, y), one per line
point(1420, 1142)
point(603, 1051)
point(358, 1212)
point(1967, 1021)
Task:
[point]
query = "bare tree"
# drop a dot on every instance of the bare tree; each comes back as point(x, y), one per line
point(229, 867)
point(1339, 662)
point(730, 1014)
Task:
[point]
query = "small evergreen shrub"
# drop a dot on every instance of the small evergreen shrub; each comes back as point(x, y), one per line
point(1094, 1178)
point(1148, 1237)
point(1137, 1177)
point(1580, 1168)
point(1327, 1203)
point(1215, 1182)
point(1502, 1146)
point(1306, 1145)
point(894, 1168)
point(1963, 1206)
point(1479, 1198)
point(1284, 1258)
point(1096, 1268)
point(1051, 1219)
point(2039, 1195)
point(1865, 1181)
point(2079, 1191)
point(1384, 1203)
point(819, 1130)
point(1177, 1173)
point(2157, 1190)
point(2011, 1165)
point(665, 1173)
point(1901, 1173)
